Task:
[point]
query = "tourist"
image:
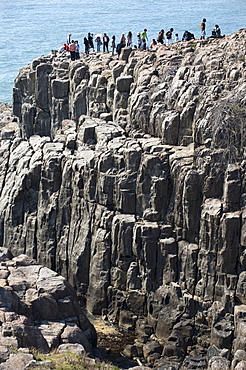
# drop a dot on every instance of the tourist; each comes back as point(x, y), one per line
point(113, 45)
point(169, 36)
point(176, 37)
point(105, 42)
point(72, 49)
point(139, 41)
point(160, 37)
point(90, 40)
point(87, 46)
point(123, 40)
point(129, 39)
point(62, 48)
point(98, 42)
point(216, 32)
point(77, 55)
point(203, 29)
point(187, 36)
point(153, 44)
point(118, 49)
point(69, 38)
point(144, 38)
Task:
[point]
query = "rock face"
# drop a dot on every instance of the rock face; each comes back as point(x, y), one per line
point(127, 177)
point(38, 307)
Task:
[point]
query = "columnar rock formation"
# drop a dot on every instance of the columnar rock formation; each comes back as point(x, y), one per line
point(38, 309)
point(128, 178)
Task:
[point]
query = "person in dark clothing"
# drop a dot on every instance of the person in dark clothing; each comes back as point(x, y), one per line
point(87, 45)
point(90, 40)
point(160, 37)
point(187, 36)
point(118, 48)
point(113, 45)
point(129, 39)
point(216, 33)
point(169, 35)
point(105, 42)
point(203, 29)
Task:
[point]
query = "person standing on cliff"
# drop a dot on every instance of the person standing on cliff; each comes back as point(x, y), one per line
point(87, 45)
point(98, 42)
point(69, 38)
point(144, 38)
point(203, 29)
point(90, 40)
point(169, 36)
point(105, 42)
point(129, 39)
point(77, 55)
point(160, 37)
point(72, 49)
point(113, 44)
point(139, 41)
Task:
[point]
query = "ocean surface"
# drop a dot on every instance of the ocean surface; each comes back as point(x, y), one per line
point(30, 28)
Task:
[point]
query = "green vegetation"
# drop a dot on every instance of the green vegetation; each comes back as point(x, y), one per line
point(229, 124)
point(68, 361)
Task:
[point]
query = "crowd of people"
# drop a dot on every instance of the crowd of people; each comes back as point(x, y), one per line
point(103, 40)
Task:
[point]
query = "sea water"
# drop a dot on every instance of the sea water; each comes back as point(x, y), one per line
point(30, 28)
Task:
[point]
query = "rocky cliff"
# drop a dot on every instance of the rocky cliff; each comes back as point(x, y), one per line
point(128, 178)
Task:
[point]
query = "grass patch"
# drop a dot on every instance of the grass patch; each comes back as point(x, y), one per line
point(68, 361)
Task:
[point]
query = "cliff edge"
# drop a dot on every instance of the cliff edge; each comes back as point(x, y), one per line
point(127, 177)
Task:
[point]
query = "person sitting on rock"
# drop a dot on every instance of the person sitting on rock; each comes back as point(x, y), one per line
point(216, 32)
point(62, 48)
point(118, 48)
point(153, 44)
point(187, 36)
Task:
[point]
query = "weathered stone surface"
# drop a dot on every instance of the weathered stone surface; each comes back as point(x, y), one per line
point(38, 309)
point(128, 178)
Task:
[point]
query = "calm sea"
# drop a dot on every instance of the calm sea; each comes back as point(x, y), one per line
point(30, 28)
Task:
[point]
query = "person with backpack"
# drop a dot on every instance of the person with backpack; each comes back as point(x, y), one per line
point(169, 36)
point(105, 42)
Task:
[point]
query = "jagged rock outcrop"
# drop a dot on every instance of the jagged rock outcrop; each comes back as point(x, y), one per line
point(128, 178)
point(38, 309)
